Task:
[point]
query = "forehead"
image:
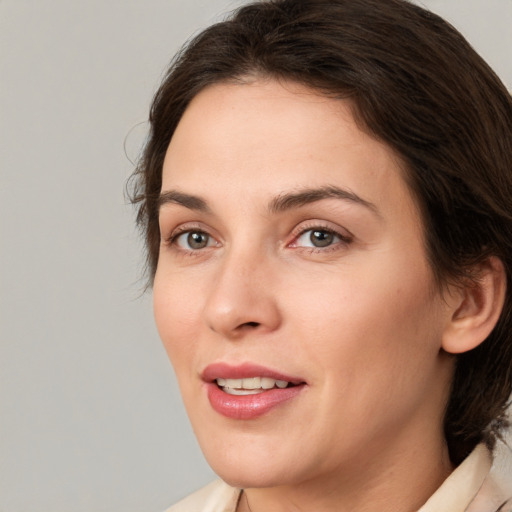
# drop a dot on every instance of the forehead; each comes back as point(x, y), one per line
point(265, 137)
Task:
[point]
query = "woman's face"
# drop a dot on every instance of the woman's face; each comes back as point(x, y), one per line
point(292, 291)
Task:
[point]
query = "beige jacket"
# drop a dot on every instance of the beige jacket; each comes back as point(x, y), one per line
point(470, 488)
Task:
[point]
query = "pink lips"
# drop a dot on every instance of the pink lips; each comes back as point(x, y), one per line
point(245, 407)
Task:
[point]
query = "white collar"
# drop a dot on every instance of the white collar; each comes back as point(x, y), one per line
point(460, 488)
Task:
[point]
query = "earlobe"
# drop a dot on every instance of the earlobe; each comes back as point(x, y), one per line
point(477, 309)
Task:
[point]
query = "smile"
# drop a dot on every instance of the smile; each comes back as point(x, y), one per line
point(247, 392)
point(250, 386)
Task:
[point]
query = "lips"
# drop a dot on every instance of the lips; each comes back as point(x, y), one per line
point(248, 391)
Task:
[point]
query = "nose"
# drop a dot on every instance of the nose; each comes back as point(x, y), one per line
point(243, 298)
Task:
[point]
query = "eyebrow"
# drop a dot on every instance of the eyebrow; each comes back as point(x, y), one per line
point(280, 203)
point(311, 195)
point(188, 201)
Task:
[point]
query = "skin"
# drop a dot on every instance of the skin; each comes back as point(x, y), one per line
point(360, 319)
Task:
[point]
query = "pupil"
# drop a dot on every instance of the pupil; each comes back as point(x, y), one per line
point(197, 240)
point(321, 238)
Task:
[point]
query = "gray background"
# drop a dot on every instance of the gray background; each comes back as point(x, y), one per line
point(91, 418)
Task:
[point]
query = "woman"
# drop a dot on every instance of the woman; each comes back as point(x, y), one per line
point(326, 200)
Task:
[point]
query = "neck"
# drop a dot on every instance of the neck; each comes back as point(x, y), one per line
point(396, 480)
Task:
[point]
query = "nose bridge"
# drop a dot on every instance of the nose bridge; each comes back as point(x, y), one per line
point(242, 296)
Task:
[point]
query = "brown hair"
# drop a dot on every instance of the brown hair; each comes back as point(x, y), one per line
point(415, 84)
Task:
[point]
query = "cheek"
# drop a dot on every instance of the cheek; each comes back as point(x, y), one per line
point(373, 347)
point(378, 321)
point(176, 315)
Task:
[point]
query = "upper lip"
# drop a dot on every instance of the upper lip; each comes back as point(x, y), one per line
point(244, 371)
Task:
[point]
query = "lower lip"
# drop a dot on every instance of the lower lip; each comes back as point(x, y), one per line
point(248, 407)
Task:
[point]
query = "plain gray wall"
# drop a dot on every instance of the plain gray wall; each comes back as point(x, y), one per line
point(91, 419)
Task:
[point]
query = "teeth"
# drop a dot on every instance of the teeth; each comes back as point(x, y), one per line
point(233, 383)
point(231, 391)
point(250, 386)
point(267, 383)
point(253, 383)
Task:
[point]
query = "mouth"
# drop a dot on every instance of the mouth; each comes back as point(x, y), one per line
point(248, 391)
point(251, 385)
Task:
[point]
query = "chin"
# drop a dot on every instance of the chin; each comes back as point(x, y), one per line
point(241, 469)
point(242, 477)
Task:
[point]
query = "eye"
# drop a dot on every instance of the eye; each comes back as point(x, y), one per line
point(318, 238)
point(193, 240)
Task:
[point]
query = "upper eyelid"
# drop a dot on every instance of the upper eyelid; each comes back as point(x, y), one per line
point(312, 224)
point(187, 226)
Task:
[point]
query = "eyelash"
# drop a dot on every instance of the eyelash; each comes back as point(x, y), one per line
point(172, 239)
point(343, 240)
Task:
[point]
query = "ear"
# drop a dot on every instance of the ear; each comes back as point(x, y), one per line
point(476, 308)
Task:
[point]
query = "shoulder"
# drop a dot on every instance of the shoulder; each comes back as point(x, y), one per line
point(215, 497)
point(492, 497)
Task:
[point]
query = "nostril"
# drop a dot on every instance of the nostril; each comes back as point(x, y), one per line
point(252, 324)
